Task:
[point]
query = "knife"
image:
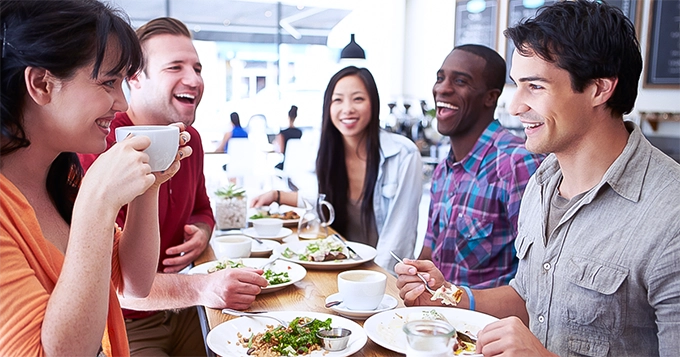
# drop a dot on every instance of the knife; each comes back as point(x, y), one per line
point(354, 255)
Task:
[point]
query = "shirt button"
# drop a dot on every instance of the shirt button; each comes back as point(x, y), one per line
point(546, 266)
point(541, 319)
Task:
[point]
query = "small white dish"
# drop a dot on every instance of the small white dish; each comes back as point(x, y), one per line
point(263, 250)
point(267, 226)
point(283, 233)
point(388, 303)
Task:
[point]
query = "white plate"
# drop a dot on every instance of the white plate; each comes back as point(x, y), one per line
point(263, 250)
point(387, 303)
point(385, 328)
point(295, 271)
point(222, 339)
point(282, 209)
point(366, 252)
point(283, 233)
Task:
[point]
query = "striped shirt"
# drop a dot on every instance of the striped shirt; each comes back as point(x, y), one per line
point(472, 223)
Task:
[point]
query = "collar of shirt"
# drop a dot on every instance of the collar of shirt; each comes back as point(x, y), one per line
point(472, 160)
point(626, 180)
point(388, 146)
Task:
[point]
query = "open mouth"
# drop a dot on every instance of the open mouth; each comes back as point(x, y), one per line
point(186, 98)
point(349, 121)
point(444, 108)
point(531, 126)
point(103, 123)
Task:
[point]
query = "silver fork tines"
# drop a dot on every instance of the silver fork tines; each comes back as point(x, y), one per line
point(427, 286)
point(253, 314)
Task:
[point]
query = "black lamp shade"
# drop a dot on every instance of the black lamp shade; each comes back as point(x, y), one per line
point(353, 50)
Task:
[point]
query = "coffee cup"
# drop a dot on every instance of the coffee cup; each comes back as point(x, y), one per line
point(362, 290)
point(164, 143)
point(232, 246)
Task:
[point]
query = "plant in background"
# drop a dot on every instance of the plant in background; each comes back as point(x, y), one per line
point(230, 208)
point(230, 191)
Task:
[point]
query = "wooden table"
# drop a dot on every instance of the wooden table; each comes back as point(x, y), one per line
point(309, 294)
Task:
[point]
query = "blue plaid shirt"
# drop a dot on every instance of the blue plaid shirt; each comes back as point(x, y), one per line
point(472, 223)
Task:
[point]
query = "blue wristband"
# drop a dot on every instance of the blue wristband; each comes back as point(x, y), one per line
point(471, 297)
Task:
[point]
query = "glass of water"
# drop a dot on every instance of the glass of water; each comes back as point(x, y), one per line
point(429, 338)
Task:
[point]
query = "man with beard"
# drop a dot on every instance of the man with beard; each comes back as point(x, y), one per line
point(476, 191)
point(168, 89)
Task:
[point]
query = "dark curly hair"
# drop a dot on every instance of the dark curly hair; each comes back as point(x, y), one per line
point(588, 39)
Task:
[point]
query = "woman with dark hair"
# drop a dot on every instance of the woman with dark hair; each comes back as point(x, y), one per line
point(373, 178)
point(291, 132)
point(61, 256)
point(236, 132)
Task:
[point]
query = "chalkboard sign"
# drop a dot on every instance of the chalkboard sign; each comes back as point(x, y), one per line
point(476, 22)
point(526, 9)
point(663, 56)
point(629, 8)
point(519, 10)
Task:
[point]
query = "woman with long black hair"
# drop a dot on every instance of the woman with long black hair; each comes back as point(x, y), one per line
point(373, 178)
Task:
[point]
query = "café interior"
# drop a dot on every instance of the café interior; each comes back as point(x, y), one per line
point(260, 57)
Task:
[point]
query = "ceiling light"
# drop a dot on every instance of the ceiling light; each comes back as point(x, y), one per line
point(353, 50)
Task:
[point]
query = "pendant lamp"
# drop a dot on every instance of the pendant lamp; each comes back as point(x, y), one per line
point(353, 50)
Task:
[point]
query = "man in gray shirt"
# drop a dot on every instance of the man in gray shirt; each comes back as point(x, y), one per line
point(599, 234)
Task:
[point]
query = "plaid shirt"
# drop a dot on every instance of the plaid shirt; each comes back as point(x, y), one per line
point(472, 223)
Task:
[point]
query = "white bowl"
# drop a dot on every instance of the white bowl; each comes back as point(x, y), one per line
point(232, 246)
point(267, 226)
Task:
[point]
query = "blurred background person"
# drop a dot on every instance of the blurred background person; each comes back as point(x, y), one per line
point(236, 132)
point(373, 178)
point(291, 132)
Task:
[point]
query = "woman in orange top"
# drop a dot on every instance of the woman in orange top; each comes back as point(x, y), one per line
point(62, 260)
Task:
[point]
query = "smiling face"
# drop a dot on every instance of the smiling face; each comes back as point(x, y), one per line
point(80, 128)
point(350, 108)
point(555, 117)
point(170, 88)
point(459, 94)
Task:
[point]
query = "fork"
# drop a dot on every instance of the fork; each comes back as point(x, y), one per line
point(427, 286)
point(260, 314)
point(274, 257)
point(353, 254)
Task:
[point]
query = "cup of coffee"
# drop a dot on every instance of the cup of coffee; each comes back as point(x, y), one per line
point(232, 246)
point(164, 143)
point(362, 290)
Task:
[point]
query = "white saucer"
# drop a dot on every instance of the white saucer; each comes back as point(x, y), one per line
point(388, 303)
point(283, 233)
point(265, 249)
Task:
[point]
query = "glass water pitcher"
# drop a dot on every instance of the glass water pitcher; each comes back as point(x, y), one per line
point(314, 222)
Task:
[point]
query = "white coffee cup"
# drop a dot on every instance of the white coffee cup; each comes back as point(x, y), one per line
point(267, 227)
point(362, 290)
point(164, 143)
point(232, 246)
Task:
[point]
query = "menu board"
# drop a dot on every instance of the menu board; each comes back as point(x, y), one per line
point(522, 9)
point(663, 56)
point(519, 10)
point(628, 7)
point(476, 22)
